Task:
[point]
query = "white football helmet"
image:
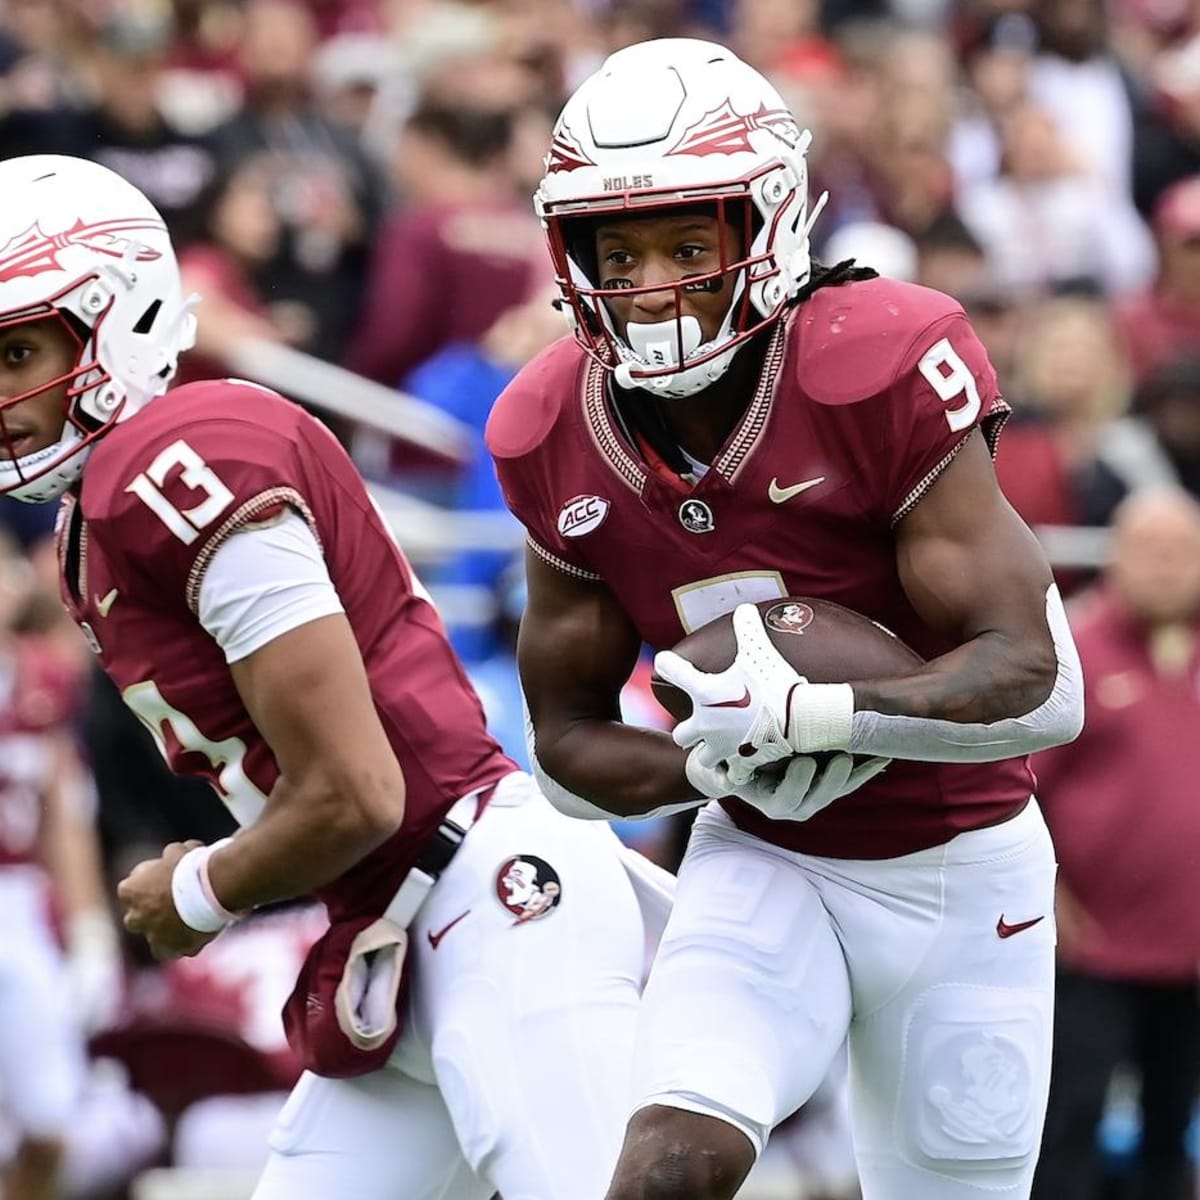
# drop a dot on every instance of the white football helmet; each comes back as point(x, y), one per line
point(670, 123)
point(80, 244)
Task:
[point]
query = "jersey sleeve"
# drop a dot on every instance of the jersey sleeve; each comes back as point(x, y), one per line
point(174, 499)
point(946, 390)
point(530, 448)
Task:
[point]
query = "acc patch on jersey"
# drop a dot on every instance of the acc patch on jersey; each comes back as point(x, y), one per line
point(529, 887)
point(581, 515)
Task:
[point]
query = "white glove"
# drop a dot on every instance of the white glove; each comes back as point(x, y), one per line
point(95, 972)
point(759, 709)
point(800, 792)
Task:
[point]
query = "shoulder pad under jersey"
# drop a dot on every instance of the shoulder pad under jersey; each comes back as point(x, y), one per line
point(855, 340)
point(532, 403)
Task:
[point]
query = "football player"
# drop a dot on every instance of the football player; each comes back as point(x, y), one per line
point(227, 566)
point(734, 422)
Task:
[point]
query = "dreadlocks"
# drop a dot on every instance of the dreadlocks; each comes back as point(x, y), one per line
point(823, 276)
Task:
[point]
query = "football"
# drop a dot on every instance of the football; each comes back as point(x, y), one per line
point(825, 642)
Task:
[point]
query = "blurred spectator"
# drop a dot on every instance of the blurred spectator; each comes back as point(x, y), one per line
point(35, 87)
point(781, 38)
point(241, 235)
point(328, 194)
point(46, 620)
point(1121, 804)
point(126, 131)
point(476, 55)
point(206, 35)
point(997, 61)
point(462, 250)
point(200, 88)
point(1075, 79)
point(348, 71)
point(842, 117)
point(49, 863)
point(1160, 444)
point(1167, 146)
point(888, 250)
point(1045, 222)
point(1163, 321)
point(951, 260)
point(907, 149)
point(1072, 383)
point(464, 379)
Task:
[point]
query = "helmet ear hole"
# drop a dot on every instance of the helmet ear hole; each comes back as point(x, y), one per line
point(146, 321)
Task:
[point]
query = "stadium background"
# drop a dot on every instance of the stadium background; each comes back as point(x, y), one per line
point(349, 182)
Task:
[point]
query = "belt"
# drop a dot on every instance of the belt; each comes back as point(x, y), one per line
point(434, 858)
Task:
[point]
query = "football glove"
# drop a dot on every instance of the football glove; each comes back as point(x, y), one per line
point(760, 709)
point(801, 791)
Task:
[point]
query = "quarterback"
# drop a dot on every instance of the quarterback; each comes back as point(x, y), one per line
point(229, 570)
point(730, 423)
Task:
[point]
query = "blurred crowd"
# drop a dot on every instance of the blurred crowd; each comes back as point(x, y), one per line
point(351, 180)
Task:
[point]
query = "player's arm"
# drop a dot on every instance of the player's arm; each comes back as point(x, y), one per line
point(267, 599)
point(975, 573)
point(340, 791)
point(577, 648)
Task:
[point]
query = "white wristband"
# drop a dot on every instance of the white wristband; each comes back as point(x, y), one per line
point(820, 717)
point(191, 890)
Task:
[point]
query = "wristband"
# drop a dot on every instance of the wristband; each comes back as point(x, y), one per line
point(820, 717)
point(191, 890)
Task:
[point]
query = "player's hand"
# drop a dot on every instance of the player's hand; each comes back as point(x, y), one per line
point(145, 895)
point(801, 791)
point(760, 708)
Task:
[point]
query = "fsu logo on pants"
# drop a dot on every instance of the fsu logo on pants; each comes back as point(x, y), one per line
point(529, 887)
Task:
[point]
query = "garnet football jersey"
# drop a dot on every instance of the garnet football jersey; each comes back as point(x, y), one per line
point(37, 701)
point(867, 392)
point(160, 494)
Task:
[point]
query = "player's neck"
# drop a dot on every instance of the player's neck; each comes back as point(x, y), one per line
point(701, 424)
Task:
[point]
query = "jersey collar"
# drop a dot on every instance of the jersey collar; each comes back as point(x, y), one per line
point(632, 463)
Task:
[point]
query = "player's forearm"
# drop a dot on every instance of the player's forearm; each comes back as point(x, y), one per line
point(308, 836)
point(619, 769)
point(992, 698)
point(986, 680)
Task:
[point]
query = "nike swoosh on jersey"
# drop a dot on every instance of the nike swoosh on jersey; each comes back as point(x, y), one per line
point(780, 494)
point(103, 605)
point(1006, 931)
point(435, 939)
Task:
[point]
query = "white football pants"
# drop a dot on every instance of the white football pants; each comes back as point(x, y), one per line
point(772, 958)
point(42, 1055)
point(514, 1072)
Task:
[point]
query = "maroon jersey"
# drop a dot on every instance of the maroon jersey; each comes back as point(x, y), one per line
point(37, 702)
point(160, 494)
point(867, 392)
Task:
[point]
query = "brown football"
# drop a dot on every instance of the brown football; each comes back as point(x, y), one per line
point(825, 642)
